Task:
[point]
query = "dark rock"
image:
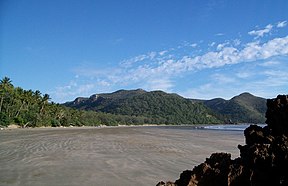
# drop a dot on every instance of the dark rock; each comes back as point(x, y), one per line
point(277, 115)
point(263, 159)
point(185, 178)
point(162, 183)
point(255, 134)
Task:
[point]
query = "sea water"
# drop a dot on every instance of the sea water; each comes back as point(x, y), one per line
point(229, 127)
point(222, 127)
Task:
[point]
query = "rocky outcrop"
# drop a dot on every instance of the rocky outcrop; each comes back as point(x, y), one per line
point(263, 159)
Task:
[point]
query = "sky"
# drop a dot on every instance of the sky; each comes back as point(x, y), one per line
point(195, 48)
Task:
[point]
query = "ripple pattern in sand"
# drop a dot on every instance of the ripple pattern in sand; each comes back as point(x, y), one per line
point(108, 156)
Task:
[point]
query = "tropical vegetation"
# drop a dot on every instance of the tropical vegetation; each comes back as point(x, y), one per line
point(157, 107)
point(28, 108)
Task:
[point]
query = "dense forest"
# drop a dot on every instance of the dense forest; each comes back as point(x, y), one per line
point(28, 108)
point(158, 106)
point(244, 108)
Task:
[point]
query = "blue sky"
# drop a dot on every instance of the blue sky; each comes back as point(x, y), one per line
point(195, 48)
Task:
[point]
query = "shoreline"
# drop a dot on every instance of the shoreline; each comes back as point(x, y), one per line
point(197, 126)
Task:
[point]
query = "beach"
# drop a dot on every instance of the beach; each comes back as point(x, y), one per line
point(107, 156)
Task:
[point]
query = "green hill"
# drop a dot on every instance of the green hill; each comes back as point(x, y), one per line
point(28, 108)
point(158, 106)
point(32, 108)
point(244, 108)
point(161, 107)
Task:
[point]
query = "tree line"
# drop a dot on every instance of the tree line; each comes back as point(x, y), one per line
point(28, 108)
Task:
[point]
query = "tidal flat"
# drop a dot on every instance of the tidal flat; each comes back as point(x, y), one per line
point(106, 156)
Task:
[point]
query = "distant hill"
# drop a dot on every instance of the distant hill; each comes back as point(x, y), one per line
point(28, 108)
point(103, 102)
point(244, 108)
point(158, 106)
point(162, 107)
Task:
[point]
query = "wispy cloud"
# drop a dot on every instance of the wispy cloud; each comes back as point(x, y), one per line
point(159, 69)
point(73, 89)
point(194, 45)
point(243, 75)
point(262, 82)
point(281, 24)
point(222, 78)
point(159, 84)
point(267, 30)
point(219, 34)
point(171, 66)
point(261, 32)
point(270, 63)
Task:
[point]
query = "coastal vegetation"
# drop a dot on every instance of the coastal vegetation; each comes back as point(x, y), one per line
point(28, 108)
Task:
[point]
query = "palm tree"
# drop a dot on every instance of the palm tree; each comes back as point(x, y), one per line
point(5, 86)
point(20, 96)
point(37, 94)
point(44, 101)
point(6, 82)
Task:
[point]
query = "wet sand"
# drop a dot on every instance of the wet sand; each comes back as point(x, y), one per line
point(106, 156)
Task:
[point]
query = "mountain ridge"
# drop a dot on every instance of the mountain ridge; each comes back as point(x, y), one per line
point(243, 108)
point(167, 107)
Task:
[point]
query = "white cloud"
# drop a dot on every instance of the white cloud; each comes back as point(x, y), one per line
point(212, 44)
point(226, 56)
point(161, 53)
point(164, 68)
point(262, 82)
point(194, 45)
point(260, 33)
point(156, 69)
point(281, 24)
point(134, 60)
point(221, 46)
point(255, 50)
point(236, 42)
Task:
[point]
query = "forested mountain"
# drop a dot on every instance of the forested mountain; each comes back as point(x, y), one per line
point(244, 108)
point(28, 108)
point(102, 102)
point(158, 106)
point(125, 107)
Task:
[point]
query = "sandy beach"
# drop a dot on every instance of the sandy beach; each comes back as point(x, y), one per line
point(106, 156)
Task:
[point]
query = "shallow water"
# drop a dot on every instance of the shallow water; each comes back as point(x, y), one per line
point(239, 127)
point(106, 156)
point(223, 127)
